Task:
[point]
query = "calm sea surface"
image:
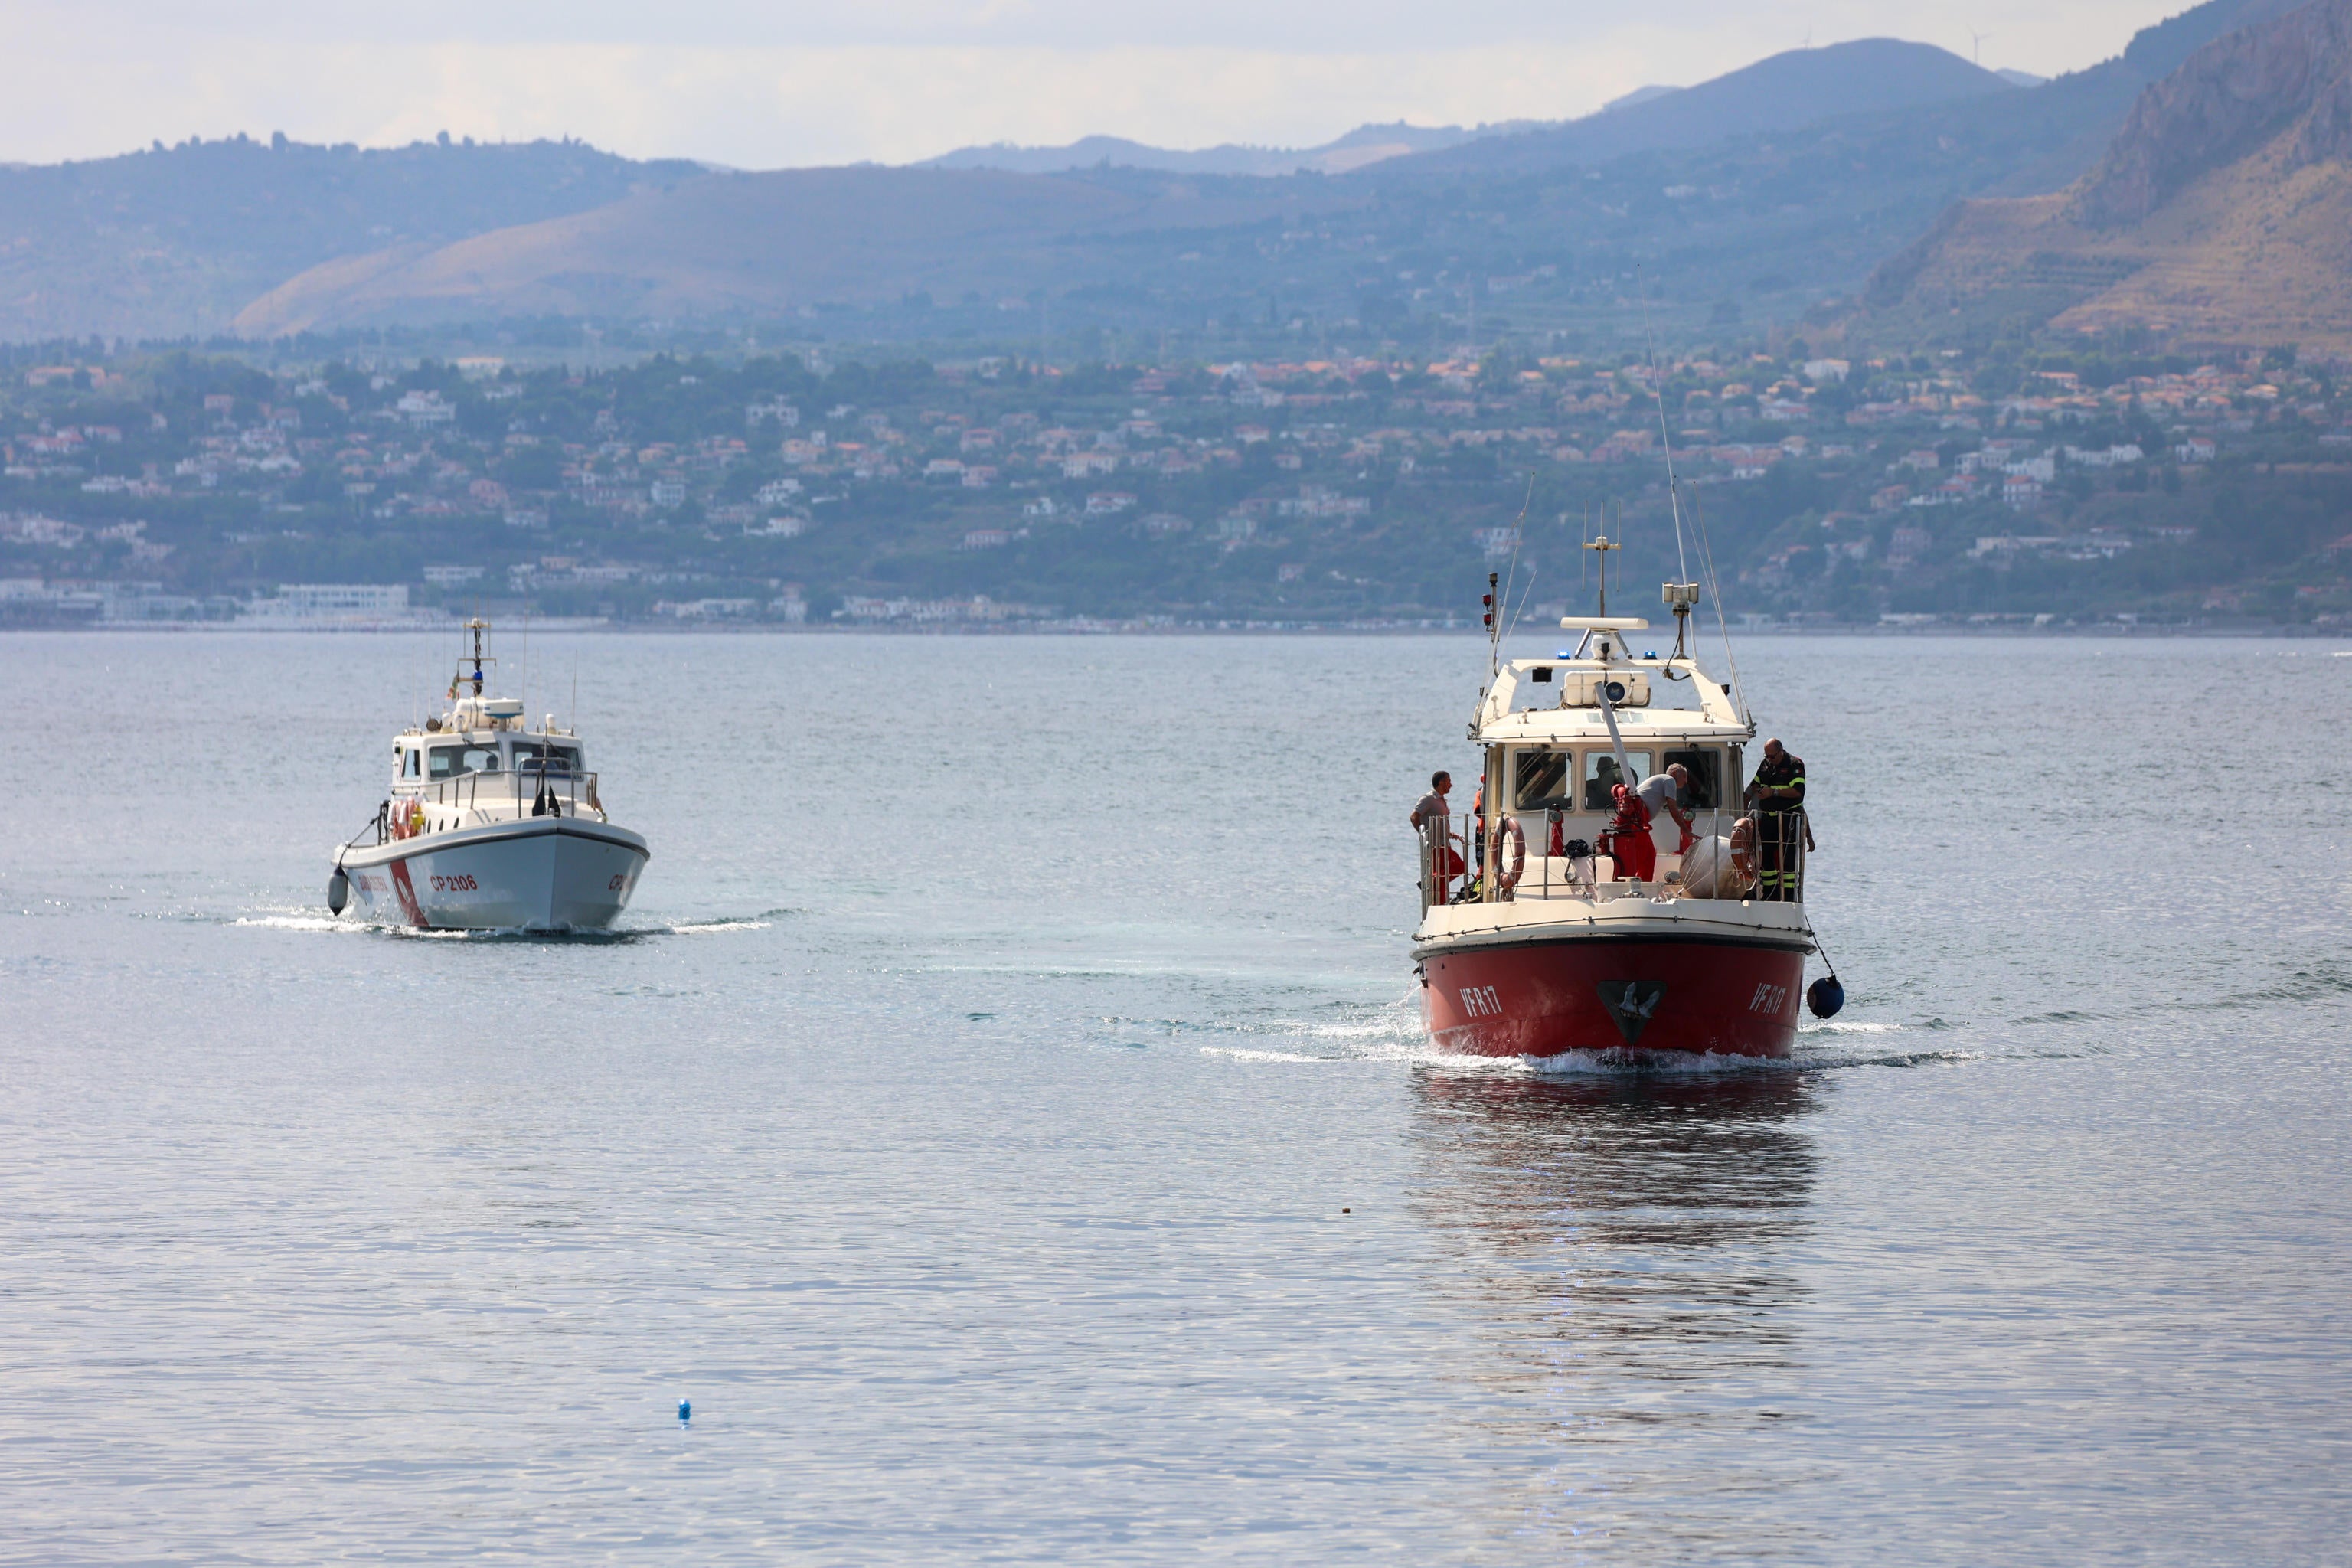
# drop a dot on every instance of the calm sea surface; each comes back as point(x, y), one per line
point(1008, 1120)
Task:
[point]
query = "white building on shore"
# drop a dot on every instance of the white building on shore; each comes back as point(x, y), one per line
point(338, 606)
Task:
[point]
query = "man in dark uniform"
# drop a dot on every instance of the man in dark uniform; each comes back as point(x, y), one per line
point(1776, 796)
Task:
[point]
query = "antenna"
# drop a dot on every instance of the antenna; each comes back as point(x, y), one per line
point(1494, 631)
point(1493, 663)
point(1665, 438)
point(1527, 593)
point(1583, 532)
point(1601, 547)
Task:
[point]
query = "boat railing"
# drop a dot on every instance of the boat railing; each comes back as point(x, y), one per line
point(528, 791)
point(1546, 858)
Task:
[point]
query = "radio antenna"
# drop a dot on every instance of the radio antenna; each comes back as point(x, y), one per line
point(1495, 631)
point(1665, 438)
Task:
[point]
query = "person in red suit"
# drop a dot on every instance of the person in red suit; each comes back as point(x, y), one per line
point(1628, 839)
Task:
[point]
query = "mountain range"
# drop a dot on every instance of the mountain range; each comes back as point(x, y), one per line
point(1762, 194)
point(1799, 86)
point(172, 241)
point(1360, 148)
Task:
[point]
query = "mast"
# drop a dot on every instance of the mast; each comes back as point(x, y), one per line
point(1600, 546)
point(478, 627)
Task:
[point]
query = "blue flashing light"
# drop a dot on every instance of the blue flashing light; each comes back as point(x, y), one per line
point(1565, 653)
point(1649, 653)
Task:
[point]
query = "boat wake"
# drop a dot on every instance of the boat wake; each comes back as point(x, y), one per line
point(346, 925)
point(1394, 1032)
point(301, 923)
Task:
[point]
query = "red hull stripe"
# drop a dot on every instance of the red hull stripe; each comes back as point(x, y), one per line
point(407, 891)
point(1541, 999)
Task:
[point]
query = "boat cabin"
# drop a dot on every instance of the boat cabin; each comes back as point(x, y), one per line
point(490, 742)
point(481, 763)
point(1559, 734)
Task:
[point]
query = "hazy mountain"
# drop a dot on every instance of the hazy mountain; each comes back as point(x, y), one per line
point(2222, 212)
point(1639, 95)
point(1364, 145)
point(763, 244)
point(1763, 220)
point(1782, 92)
point(1151, 246)
point(176, 240)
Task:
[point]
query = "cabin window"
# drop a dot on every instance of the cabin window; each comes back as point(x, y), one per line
point(449, 762)
point(560, 760)
point(1601, 777)
point(1539, 781)
point(409, 760)
point(1704, 763)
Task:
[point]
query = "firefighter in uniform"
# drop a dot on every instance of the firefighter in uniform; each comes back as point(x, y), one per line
point(1776, 796)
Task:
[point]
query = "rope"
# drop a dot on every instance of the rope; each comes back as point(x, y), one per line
point(1715, 592)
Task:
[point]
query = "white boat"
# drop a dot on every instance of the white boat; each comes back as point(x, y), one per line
point(489, 826)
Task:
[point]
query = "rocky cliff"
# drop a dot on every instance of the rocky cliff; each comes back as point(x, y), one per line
point(2226, 101)
point(2221, 212)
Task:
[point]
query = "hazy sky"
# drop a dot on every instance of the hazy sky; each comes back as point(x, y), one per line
point(761, 86)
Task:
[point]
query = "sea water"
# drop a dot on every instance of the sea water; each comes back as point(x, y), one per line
point(1005, 1117)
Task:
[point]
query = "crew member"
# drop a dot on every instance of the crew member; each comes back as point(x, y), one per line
point(1663, 794)
point(1472, 893)
point(1434, 802)
point(1628, 839)
point(1776, 798)
point(1431, 819)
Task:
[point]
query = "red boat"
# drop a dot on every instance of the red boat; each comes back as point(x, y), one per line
point(1536, 940)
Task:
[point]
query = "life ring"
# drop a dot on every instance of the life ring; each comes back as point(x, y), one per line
point(1743, 849)
point(1506, 876)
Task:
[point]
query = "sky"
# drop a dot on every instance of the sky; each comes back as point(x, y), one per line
point(781, 84)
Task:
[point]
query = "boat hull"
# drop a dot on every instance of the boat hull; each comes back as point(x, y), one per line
point(552, 874)
point(1543, 997)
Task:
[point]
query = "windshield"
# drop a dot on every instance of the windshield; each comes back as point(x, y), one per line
point(558, 759)
point(1601, 777)
point(449, 762)
point(1704, 790)
point(1539, 781)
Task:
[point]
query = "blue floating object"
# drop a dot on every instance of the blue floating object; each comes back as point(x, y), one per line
point(1825, 996)
point(684, 1411)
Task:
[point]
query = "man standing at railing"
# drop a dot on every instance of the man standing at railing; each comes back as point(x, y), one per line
point(1432, 820)
point(1776, 796)
point(1434, 802)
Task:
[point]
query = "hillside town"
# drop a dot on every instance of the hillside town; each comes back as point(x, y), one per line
point(2007, 486)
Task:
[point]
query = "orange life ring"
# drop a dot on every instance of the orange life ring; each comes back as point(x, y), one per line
point(1508, 877)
